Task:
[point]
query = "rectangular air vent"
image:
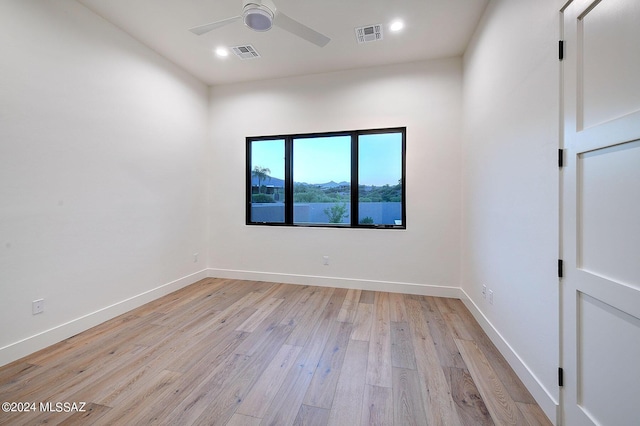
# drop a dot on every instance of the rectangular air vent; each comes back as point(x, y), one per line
point(369, 33)
point(245, 52)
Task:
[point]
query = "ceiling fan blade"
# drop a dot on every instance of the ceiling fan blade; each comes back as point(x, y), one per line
point(203, 29)
point(294, 27)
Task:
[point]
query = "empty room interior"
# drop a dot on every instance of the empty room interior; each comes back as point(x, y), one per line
point(158, 267)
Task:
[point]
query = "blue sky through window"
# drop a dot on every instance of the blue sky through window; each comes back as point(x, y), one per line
point(323, 159)
point(269, 154)
point(380, 159)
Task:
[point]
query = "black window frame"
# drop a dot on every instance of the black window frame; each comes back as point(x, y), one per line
point(289, 184)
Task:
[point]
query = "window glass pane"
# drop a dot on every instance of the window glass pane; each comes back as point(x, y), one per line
point(322, 180)
point(267, 181)
point(380, 179)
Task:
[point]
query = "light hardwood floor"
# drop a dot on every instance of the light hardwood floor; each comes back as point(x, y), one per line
point(228, 352)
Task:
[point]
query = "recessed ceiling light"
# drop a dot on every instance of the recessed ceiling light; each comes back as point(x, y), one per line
point(396, 25)
point(222, 52)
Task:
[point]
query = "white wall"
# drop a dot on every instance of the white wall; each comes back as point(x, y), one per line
point(426, 98)
point(510, 186)
point(102, 173)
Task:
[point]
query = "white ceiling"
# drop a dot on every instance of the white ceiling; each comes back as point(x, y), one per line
point(433, 29)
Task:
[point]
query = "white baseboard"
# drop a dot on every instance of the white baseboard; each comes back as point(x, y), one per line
point(60, 332)
point(540, 393)
point(350, 283)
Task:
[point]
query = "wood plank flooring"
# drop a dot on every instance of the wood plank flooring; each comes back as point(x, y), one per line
point(228, 352)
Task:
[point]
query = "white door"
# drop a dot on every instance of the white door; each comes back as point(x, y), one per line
point(601, 213)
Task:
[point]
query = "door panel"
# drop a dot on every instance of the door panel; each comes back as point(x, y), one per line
point(601, 213)
point(605, 360)
point(607, 33)
point(609, 214)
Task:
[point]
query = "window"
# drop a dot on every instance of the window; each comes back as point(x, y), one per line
point(338, 179)
point(267, 171)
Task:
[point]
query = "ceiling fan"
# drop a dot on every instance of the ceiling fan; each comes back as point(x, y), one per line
point(261, 15)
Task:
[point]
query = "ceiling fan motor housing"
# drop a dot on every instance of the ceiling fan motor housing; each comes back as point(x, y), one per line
point(258, 17)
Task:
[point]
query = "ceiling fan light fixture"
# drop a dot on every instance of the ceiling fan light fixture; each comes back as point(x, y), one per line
point(261, 15)
point(257, 17)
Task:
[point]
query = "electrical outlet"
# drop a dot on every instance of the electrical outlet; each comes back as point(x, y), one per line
point(491, 297)
point(484, 291)
point(195, 257)
point(37, 306)
point(325, 260)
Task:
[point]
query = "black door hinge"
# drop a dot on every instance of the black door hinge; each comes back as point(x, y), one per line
point(560, 157)
point(561, 49)
point(560, 268)
point(560, 377)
